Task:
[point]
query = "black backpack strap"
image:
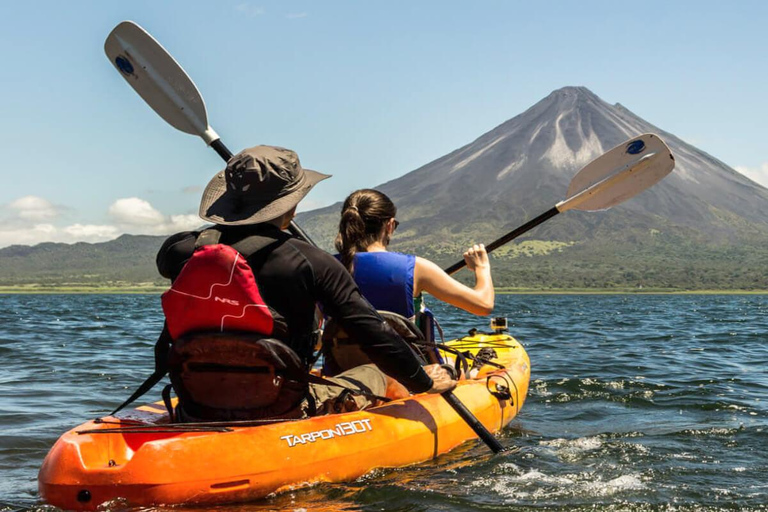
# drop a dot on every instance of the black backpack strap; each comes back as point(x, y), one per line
point(162, 346)
point(209, 236)
point(168, 404)
point(253, 244)
point(247, 246)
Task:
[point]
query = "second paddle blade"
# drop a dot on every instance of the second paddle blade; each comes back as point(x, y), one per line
point(644, 161)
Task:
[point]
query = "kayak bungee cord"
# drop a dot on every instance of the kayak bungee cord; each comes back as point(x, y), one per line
point(481, 344)
point(503, 391)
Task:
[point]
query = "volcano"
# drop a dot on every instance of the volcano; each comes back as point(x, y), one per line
point(702, 213)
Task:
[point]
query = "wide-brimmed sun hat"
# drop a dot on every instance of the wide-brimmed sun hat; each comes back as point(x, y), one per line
point(259, 184)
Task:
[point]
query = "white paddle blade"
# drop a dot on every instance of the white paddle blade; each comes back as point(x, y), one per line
point(619, 174)
point(159, 79)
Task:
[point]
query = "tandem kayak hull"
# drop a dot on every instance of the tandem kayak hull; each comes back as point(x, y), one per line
point(103, 461)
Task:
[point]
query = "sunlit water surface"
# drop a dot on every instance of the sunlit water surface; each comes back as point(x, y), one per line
point(636, 403)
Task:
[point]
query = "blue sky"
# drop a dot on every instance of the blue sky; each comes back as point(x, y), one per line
point(366, 91)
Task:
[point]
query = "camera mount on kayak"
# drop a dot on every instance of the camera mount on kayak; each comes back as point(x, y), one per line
point(499, 324)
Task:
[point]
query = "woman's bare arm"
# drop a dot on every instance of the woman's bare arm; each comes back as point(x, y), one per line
point(430, 278)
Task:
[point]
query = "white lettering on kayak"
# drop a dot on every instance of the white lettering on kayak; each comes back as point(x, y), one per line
point(346, 428)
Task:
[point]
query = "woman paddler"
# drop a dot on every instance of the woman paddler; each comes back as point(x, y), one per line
point(392, 281)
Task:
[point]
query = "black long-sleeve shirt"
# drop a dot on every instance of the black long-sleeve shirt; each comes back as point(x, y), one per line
point(292, 279)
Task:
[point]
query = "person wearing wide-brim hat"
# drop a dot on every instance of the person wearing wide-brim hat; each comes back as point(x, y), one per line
point(257, 194)
point(259, 185)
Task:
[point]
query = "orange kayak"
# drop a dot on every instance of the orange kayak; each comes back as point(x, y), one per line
point(140, 459)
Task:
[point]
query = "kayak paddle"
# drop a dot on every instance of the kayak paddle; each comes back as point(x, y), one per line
point(469, 418)
point(606, 181)
point(156, 76)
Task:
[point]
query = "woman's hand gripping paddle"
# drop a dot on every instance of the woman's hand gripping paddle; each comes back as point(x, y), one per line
point(606, 181)
point(156, 76)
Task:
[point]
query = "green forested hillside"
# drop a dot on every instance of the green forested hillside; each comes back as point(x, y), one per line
point(128, 259)
point(665, 263)
point(661, 261)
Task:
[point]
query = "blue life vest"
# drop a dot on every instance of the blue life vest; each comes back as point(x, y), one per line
point(386, 280)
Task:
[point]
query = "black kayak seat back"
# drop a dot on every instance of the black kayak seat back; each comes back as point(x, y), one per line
point(341, 352)
point(235, 376)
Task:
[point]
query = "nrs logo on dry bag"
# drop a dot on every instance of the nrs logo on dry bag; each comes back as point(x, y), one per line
point(216, 291)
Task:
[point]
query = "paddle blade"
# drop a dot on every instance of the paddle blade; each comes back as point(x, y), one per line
point(619, 174)
point(158, 78)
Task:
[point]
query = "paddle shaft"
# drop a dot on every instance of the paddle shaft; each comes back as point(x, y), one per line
point(473, 422)
point(508, 237)
point(469, 418)
point(226, 154)
point(605, 182)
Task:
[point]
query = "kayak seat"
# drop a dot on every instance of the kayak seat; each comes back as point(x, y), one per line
point(231, 376)
point(341, 352)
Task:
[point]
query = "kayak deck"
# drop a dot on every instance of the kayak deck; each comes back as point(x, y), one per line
point(140, 458)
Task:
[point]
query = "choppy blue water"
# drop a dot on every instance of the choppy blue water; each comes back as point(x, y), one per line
point(636, 403)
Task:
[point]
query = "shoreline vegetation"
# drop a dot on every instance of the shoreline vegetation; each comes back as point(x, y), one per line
point(152, 288)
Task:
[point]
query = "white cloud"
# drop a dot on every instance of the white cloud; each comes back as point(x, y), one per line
point(184, 223)
point(136, 216)
point(26, 222)
point(39, 233)
point(135, 212)
point(757, 174)
point(91, 232)
point(34, 208)
point(28, 236)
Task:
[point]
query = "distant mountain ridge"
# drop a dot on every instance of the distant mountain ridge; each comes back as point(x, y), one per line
point(127, 259)
point(703, 226)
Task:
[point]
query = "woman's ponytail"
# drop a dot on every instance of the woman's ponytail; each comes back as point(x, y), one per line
point(363, 216)
point(351, 231)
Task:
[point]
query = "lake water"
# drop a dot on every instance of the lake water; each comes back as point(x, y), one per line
point(636, 403)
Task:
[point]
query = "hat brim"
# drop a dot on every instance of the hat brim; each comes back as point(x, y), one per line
point(220, 206)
